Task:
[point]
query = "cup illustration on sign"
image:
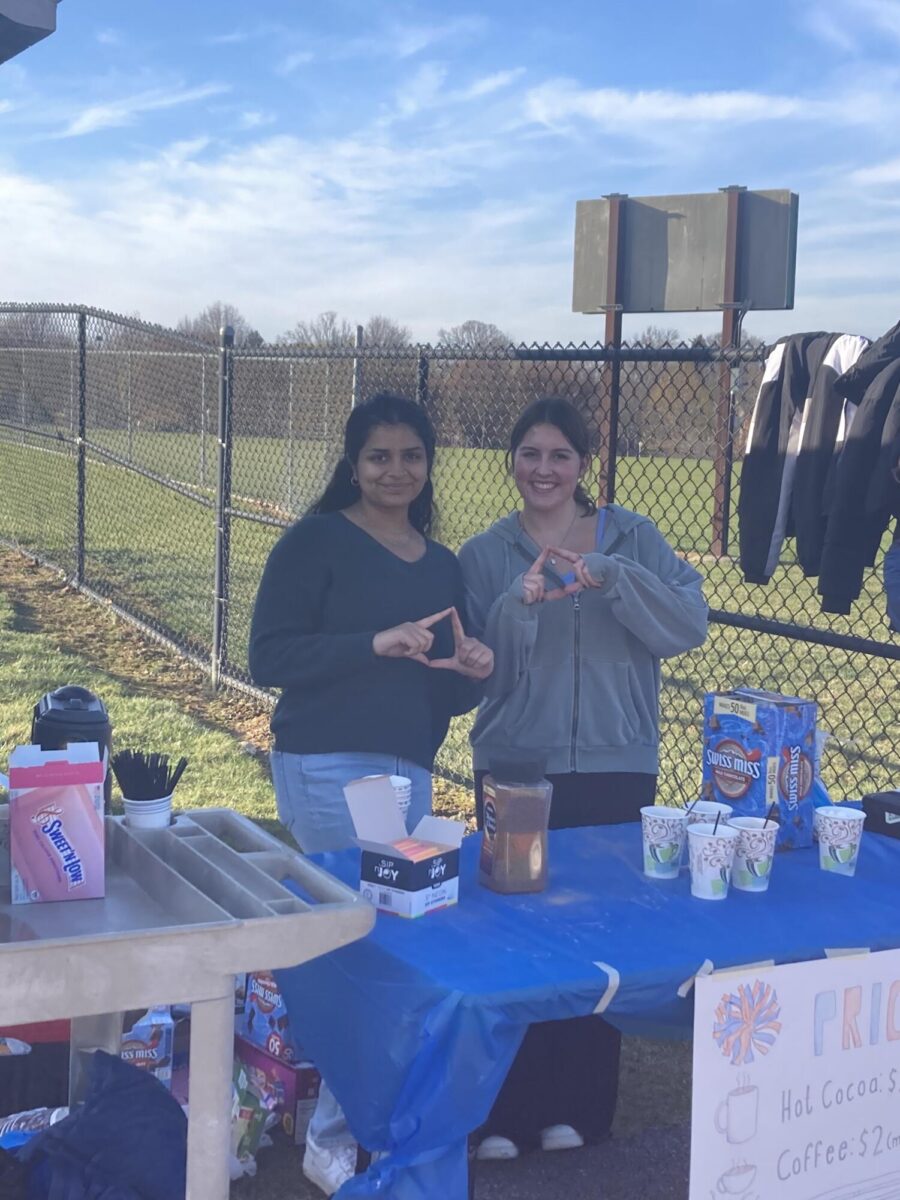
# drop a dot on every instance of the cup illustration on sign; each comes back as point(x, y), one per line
point(736, 1180)
point(736, 1117)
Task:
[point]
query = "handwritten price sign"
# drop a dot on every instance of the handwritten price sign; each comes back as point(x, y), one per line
point(797, 1082)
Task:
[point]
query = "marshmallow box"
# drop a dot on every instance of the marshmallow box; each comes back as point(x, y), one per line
point(56, 831)
point(759, 749)
point(409, 875)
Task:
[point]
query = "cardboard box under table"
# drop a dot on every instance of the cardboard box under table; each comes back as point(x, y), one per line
point(294, 1085)
point(409, 875)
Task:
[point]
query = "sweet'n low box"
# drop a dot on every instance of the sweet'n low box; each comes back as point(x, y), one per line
point(409, 875)
point(56, 829)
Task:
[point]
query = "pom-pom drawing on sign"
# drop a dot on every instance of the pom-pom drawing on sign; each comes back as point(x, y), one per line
point(746, 1022)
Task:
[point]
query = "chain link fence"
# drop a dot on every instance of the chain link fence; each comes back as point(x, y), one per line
point(157, 472)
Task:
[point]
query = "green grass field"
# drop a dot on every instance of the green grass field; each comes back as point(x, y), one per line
point(152, 550)
point(31, 664)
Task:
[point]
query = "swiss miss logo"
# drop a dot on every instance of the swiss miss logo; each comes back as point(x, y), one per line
point(734, 768)
point(795, 775)
point(140, 1052)
point(264, 990)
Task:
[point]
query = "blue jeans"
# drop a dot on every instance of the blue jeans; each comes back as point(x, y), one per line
point(311, 806)
point(310, 797)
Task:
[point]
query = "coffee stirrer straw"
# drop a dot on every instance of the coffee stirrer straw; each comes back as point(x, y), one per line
point(769, 813)
point(716, 826)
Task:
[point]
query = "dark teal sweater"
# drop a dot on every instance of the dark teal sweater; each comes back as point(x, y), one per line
point(327, 589)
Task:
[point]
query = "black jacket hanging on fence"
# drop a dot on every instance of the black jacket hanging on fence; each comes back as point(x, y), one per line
point(859, 496)
point(770, 456)
point(827, 417)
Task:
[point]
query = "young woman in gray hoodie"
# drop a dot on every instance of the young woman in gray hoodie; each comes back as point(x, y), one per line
point(579, 605)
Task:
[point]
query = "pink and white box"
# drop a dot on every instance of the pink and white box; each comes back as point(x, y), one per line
point(56, 843)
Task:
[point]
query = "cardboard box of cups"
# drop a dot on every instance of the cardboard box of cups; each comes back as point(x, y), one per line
point(725, 850)
point(407, 874)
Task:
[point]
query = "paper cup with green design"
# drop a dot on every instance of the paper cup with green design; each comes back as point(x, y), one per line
point(663, 837)
point(711, 852)
point(839, 830)
point(753, 854)
point(704, 811)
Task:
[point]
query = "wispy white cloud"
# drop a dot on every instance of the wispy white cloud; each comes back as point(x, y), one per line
point(127, 109)
point(291, 62)
point(421, 90)
point(402, 40)
point(109, 37)
point(885, 172)
point(847, 25)
point(883, 15)
point(425, 89)
point(6, 106)
point(233, 38)
point(405, 41)
point(559, 101)
point(236, 37)
point(255, 119)
point(488, 84)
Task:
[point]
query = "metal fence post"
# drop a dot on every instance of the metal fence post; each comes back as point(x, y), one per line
point(290, 437)
point(80, 463)
point(223, 508)
point(130, 430)
point(609, 421)
point(732, 315)
point(22, 400)
point(203, 421)
point(355, 394)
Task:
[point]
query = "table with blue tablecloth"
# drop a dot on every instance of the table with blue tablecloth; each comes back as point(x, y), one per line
point(416, 1026)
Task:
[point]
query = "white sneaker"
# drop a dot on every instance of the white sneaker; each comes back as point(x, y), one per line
point(496, 1149)
point(329, 1168)
point(561, 1137)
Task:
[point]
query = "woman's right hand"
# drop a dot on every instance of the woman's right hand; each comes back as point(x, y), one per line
point(412, 639)
point(534, 586)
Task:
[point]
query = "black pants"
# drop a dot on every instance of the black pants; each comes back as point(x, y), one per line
point(567, 1072)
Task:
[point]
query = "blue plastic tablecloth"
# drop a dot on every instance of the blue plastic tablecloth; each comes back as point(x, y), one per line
point(416, 1026)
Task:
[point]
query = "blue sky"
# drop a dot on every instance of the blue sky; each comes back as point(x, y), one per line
point(423, 160)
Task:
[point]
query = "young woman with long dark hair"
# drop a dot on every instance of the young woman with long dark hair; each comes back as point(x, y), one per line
point(360, 620)
point(579, 606)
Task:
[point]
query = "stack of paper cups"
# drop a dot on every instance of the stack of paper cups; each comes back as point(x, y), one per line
point(402, 790)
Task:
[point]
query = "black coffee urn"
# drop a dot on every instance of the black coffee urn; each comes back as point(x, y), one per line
point(73, 714)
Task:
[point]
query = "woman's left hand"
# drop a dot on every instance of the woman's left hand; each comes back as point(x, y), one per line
point(579, 567)
point(470, 657)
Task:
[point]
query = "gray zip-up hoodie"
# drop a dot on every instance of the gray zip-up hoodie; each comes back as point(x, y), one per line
point(576, 680)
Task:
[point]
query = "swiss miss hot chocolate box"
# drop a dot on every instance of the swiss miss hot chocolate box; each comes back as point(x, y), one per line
point(759, 749)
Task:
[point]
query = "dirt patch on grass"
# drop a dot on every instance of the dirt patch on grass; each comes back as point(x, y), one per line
point(43, 601)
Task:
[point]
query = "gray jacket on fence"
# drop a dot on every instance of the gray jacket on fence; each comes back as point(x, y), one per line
point(576, 681)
